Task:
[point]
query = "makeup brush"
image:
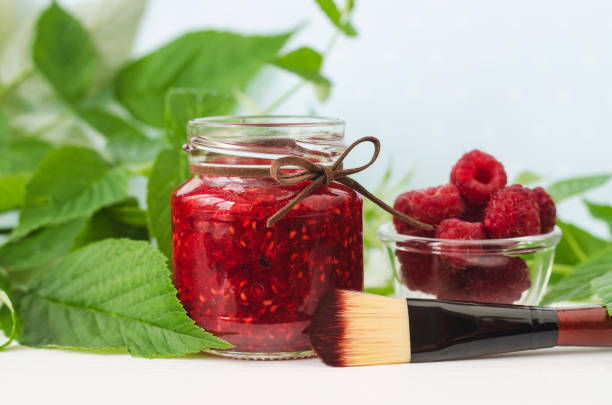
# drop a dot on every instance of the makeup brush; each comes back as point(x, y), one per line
point(351, 328)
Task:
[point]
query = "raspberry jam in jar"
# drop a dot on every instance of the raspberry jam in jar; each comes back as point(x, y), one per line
point(257, 286)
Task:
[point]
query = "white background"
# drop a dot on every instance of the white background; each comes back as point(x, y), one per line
point(528, 81)
point(552, 376)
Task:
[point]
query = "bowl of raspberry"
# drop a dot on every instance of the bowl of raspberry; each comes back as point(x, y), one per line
point(491, 242)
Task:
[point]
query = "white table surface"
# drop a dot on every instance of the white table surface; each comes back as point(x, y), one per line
point(552, 376)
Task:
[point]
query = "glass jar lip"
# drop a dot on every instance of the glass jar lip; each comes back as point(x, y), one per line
point(266, 121)
point(388, 234)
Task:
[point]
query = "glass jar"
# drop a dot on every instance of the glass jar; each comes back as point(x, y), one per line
point(257, 286)
point(501, 271)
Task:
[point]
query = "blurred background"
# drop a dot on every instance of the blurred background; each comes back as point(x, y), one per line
point(528, 82)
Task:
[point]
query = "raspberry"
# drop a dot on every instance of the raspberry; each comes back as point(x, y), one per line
point(431, 206)
point(502, 284)
point(548, 211)
point(473, 213)
point(512, 212)
point(457, 229)
point(478, 176)
point(460, 256)
point(419, 271)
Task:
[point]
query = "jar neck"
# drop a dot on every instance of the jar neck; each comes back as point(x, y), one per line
point(260, 140)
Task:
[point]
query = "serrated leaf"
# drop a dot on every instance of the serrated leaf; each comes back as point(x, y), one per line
point(8, 317)
point(577, 285)
point(64, 53)
point(213, 60)
point(601, 212)
point(7, 323)
point(183, 105)
point(123, 220)
point(70, 183)
point(41, 247)
point(111, 295)
point(22, 155)
point(602, 286)
point(17, 163)
point(304, 62)
point(335, 16)
point(569, 187)
point(577, 245)
point(12, 190)
point(125, 143)
point(169, 171)
point(526, 177)
point(113, 25)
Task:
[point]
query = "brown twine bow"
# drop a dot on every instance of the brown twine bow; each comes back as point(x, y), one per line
point(322, 175)
point(318, 174)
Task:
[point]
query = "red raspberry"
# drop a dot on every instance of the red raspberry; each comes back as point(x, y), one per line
point(478, 176)
point(431, 206)
point(512, 212)
point(548, 211)
point(473, 213)
point(460, 256)
point(502, 284)
point(419, 271)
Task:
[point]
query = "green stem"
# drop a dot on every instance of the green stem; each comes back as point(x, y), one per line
point(289, 93)
point(284, 97)
point(562, 268)
point(6, 91)
point(53, 124)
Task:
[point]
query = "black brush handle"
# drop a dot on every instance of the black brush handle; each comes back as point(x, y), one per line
point(447, 330)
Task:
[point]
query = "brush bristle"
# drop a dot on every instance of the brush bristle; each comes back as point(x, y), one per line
point(351, 328)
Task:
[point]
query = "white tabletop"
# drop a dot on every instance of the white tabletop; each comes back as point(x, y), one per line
point(552, 376)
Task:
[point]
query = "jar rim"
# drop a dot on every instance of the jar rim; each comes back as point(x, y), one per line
point(265, 121)
point(388, 234)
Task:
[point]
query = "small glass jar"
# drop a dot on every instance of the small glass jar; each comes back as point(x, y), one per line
point(257, 286)
point(502, 271)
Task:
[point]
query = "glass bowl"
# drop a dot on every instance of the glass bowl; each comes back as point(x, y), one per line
point(504, 271)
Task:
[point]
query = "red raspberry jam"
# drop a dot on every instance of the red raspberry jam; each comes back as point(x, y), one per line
point(257, 286)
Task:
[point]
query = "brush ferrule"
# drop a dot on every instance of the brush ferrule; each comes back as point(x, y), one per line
point(445, 330)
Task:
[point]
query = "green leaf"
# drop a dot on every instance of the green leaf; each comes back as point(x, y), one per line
point(601, 212)
point(124, 142)
point(577, 285)
point(70, 183)
point(42, 247)
point(111, 295)
point(526, 177)
point(602, 286)
point(22, 155)
point(17, 162)
point(64, 53)
point(10, 329)
point(335, 16)
point(577, 245)
point(8, 317)
point(304, 62)
point(386, 290)
point(213, 60)
point(183, 105)
point(124, 220)
point(566, 188)
point(169, 171)
point(12, 190)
